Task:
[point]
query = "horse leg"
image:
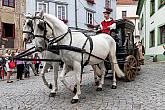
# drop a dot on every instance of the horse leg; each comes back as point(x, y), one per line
point(99, 88)
point(95, 75)
point(62, 77)
point(55, 70)
point(113, 70)
point(114, 77)
point(77, 71)
point(45, 67)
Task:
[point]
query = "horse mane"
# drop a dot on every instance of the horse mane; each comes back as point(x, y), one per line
point(56, 22)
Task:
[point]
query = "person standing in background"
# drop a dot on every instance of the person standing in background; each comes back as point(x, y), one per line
point(32, 66)
point(2, 65)
point(20, 67)
point(36, 63)
point(141, 52)
point(8, 69)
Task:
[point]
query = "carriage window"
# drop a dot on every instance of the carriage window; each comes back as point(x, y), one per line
point(152, 38)
point(90, 17)
point(161, 31)
point(41, 5)
point(62, 12)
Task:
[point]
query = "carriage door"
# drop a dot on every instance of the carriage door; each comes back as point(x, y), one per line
point(130, 43)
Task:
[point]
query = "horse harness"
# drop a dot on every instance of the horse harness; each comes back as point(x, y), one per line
point(59, 38)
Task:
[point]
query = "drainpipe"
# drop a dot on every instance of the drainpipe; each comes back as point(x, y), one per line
point(76, 14)
point(145, 25)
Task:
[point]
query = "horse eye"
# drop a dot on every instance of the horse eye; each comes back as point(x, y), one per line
point(30, 23)
point(41, 26)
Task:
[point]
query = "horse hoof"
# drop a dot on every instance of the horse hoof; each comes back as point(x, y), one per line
point(52, 94)
point(75, 90)
point(73, 101)
point(97, 83)
point(50, 86)
point(114, 87)
point(99, 89)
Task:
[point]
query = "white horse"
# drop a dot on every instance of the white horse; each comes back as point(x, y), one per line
point(46, 25)
point(28, 35)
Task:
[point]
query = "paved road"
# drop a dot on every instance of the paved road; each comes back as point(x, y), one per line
point(147, 92)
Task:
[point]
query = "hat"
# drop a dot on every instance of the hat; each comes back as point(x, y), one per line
point(108, 11)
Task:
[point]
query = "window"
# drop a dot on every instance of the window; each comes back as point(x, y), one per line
point(107, 4)
point(161, 31)
point(91, 1)
point(41, 5)
point(152, 38)
point(9, 33)
point(152, 7)
point(124, 14)
point(8, 30)
point(161, 3)
point(141, 22)
point(9, 43)
point(90, 17)
point(62, 12)
point(9, 3)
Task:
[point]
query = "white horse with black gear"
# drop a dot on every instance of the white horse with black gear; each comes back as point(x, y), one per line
point(103, 45)
point(28, 35)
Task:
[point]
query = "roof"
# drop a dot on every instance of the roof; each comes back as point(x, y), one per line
point(125, 23)
point(139, 7)
point(126, 2)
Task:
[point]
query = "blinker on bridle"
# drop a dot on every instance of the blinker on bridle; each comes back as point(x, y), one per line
point(30, 24)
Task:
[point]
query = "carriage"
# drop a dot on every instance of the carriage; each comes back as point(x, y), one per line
point(126, 51)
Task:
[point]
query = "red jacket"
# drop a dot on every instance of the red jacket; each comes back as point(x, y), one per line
point(105, 25)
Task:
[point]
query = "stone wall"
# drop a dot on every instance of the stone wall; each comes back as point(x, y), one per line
point(14, 16)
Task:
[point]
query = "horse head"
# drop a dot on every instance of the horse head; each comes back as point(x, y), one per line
point(46, 27)
point(28, 29)
point(42, 30)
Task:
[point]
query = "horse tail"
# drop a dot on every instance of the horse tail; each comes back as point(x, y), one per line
point(119, 72)
point(112, 56)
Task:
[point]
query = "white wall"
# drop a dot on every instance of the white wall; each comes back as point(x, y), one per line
point(131, 10)
point(152, 23)
point(98, 8)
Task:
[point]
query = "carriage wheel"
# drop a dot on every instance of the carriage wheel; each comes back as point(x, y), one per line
point(130, 68)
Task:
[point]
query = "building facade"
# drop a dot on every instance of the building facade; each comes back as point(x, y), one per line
point(152, 26)
point(11, 22)
point(89, 12)
point(126, 9)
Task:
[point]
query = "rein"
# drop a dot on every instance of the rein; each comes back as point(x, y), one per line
point(25, 52)
point(57, 39)
point(28, 59)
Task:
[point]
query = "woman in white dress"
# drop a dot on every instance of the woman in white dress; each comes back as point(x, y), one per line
point(8, 70)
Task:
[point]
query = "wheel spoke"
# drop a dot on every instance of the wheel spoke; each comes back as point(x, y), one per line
point(130, 68)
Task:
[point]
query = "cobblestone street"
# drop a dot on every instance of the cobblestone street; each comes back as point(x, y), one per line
point(147, 92)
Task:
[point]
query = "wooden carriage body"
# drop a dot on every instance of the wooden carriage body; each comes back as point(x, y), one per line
point(126, 51)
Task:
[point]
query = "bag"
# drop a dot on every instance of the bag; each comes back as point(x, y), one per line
point(12, 64)
point(34, 62)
